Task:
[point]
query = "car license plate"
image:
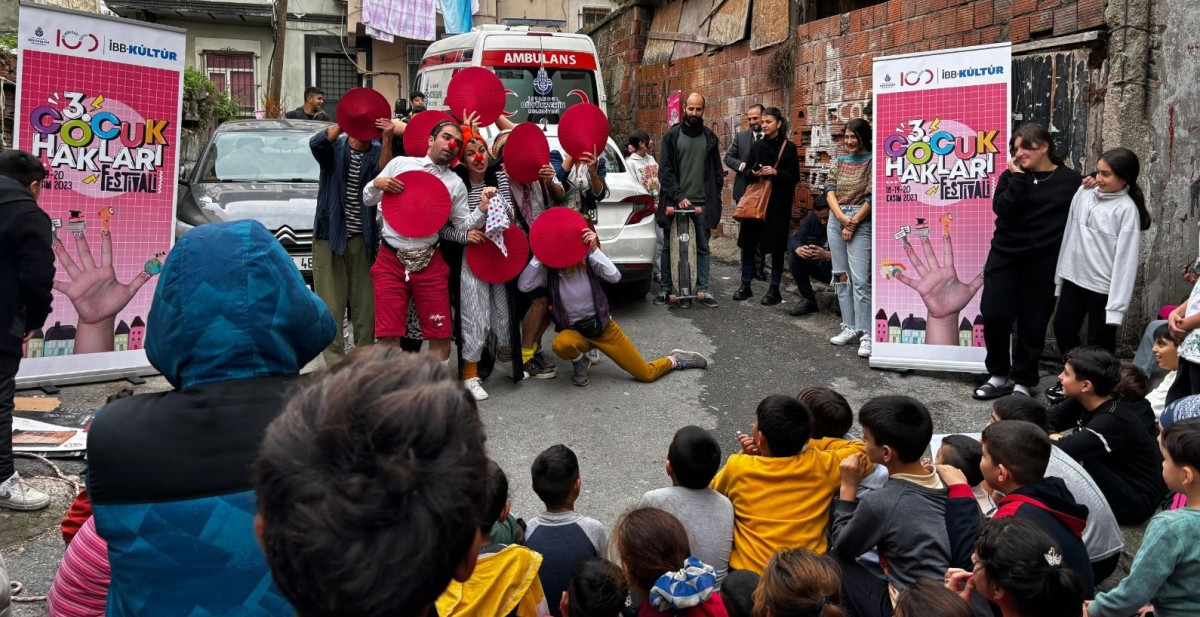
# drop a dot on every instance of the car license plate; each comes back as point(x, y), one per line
point(303, 262)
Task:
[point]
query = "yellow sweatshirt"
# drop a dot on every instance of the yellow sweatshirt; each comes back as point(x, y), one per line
point(502, 581)
point(782, 502)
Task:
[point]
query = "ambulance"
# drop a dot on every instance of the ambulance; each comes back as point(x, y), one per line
point(544, 74)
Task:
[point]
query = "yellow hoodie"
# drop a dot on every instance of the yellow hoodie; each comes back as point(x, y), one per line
point(503, 582)
point(782, 502)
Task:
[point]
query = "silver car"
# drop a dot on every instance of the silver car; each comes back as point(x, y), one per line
point(261, 170)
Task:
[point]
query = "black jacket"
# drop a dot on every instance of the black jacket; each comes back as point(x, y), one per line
point(1113, 445)
point(670, 193)
point(1049, 505)
point(26, 265)
point(772, 234)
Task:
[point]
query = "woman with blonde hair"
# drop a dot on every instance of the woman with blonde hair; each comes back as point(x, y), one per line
point(799, 583)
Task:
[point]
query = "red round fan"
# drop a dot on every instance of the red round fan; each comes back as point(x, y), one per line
point(490, 265)
point(416, 134)
point(421, 209)
point(583, 129)
point(557, 237)
point(358, 110)
point(525, 153)
point(476, 89)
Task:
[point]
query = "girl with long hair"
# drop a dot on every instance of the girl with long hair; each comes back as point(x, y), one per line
point(772, 159)
point(848, 192)
point(1031, 203)
point(1020, 570)
point(654, 552)
point(1097, 265)
point(799, 583)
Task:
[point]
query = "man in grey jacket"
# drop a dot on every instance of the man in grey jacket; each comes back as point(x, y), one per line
point(735, 160)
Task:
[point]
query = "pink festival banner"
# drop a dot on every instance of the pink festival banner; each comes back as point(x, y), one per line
point(940, 145)
point(99, 102)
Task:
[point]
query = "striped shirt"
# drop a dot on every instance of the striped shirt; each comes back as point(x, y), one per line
point(850, 179)
point(80, 587)
point(353, 201)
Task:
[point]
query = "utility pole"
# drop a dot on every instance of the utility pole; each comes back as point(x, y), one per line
point(274, 101)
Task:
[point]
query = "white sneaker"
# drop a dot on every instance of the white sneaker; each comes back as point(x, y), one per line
point(595, 356)
point(15, 494)
point(476, 388)
point(864, 347)
point(846, 336)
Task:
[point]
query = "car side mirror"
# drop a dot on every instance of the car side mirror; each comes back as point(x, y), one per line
point(185, 174)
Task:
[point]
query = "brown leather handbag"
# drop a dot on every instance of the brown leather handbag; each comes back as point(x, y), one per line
point(753, 204)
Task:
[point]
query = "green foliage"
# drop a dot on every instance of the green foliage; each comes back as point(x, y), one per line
point(204, 101)
point(8, 42)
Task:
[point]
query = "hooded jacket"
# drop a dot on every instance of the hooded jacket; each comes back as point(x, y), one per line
point(330, 222)
point(26, 265)
point(231, 325)
point(1050, 506)
point(504, 584)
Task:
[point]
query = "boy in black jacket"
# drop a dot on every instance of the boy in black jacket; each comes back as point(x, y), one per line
point(1015, 456)
point(26, 278)
point(1096, 427)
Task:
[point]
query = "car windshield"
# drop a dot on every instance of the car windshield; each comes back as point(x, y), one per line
point(260, 156)
point(545, 93)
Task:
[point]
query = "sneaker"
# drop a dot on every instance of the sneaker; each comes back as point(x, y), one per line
point(582, 366)
point(803, 307)
point(688, 359)
point(595, 356)
point(846, 336)
point(1054, 394)
point(864, 347)
point(537, 370)
point(15, 494)
point(476, 388)
point(661, 298)
point(708, 300)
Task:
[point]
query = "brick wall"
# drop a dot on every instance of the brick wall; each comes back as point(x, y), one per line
point(832, 59)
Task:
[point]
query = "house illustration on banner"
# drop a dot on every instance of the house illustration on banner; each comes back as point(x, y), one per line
point(912, 330)
point(977, 332)
point(60, 340)
point(964, 333)
point(894, 329)
point(121, 337)
point(36, 345)
point(137, 333)
point(881, 326)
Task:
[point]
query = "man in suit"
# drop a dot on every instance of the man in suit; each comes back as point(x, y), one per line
point(735, 160)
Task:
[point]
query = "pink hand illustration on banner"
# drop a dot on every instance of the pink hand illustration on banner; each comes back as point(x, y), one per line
point(937, 283)
point(95, 292)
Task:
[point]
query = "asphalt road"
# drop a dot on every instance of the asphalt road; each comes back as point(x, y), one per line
point(618, 427)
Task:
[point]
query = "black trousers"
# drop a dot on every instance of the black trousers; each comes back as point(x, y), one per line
point(1074, 304)
point(803, 269)
point(864, 590)
point(8, 389)
point(1017, 288)
point(1187, 381)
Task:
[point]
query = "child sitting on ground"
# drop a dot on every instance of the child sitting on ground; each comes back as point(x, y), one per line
point(831, 422)
point(1102, 535)
point(692, 460)
point(1015, 455)
point(1167, 566)
point(780, 488)
point(1107, 435)
point(654, 551)
point(1132, 388)
point(1166, 354)
point(562, 536)
point(597, 589)
point(964, 453)
point(376, 467)
point(906, 520)
point(800, 582)
point(505, 581)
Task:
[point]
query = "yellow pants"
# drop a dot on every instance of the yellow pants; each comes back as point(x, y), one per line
point(570, 344)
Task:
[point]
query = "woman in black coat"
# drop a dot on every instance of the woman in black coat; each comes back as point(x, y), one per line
point(767, 164)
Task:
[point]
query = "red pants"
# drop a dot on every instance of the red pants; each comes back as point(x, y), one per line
point(429, 290)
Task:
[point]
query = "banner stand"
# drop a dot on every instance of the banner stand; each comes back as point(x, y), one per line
point(941, 128)
point(99, 102)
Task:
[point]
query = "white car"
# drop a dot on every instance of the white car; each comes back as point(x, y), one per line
point(625, 222)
